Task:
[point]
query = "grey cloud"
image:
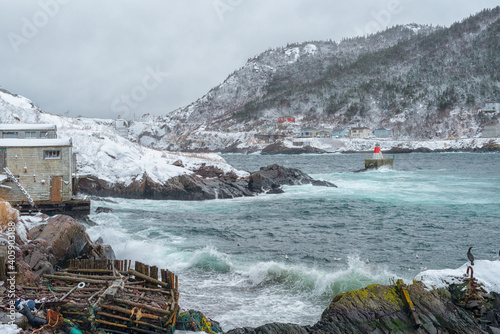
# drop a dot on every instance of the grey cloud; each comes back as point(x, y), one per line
point(83, 56)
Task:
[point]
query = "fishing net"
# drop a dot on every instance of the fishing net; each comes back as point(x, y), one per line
point(196, 321)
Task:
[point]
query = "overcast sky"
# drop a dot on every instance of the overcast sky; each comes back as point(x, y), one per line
point(104, 58)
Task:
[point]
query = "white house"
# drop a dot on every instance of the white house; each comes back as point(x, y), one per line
point(491, 130)
point(491, 107)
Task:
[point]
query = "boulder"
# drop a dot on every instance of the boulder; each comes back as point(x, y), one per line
point(64, 239)
point(37, 256)
point(103, 210)
point(275, 174)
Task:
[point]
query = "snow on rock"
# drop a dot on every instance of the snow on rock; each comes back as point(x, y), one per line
point(310, 49)
point(102, 152)
point(12, 100)
point(485, 271)
point(9, 329)
point(293, 53)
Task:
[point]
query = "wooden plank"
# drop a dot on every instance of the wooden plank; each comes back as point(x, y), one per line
point(163, 276)
point(153, 272)
point(139, 305)
point(75, 279)
point(111, 292)
point(3, 262)
point(147, 278)
point(104, 322)
point(129, 312)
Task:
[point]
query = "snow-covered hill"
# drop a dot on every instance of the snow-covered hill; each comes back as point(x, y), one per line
point(102, 152)
point(427, 83)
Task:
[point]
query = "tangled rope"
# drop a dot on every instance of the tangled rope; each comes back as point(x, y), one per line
point(196, 321)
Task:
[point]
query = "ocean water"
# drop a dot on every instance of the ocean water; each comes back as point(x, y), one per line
point(282, 258)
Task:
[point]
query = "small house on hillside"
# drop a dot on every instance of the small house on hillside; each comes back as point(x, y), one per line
point(340, 132)
point(360, 132)
point(382, 133)
point(308, 132)
point(491, 107)
point(39, 174)
point(28, 131)
point(491, 130)
point(324, 133)
point(121, 127)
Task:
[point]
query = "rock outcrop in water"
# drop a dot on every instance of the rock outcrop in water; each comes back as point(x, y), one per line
point(381, 309)
point(207, 183)
point(279, 148)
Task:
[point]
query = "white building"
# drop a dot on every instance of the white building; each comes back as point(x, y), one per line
point(491, 107)
point(491, 130)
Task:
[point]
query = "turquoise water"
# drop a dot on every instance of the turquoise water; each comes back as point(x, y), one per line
point(250, 261)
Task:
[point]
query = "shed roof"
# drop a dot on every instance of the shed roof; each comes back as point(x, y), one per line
point(34, 142)
point(21, 127)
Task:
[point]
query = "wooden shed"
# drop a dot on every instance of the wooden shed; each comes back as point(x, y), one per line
point(39, 173)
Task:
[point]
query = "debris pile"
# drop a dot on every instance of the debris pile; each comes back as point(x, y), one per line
point(108, 296)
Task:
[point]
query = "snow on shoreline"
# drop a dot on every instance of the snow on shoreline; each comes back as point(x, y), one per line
point(485, 271)
point(334, 145)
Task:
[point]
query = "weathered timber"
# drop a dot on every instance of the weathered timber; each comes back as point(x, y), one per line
point(60, 288)
point(3, 262)
point(147, 278)
point(111, 292)
point(147, 307)
point(65, 274)
point(74, 305)
point(130, 312)
point(109, 315)
point(163, 291)
point(149, 299)
point(71, 279)
point(109, 323)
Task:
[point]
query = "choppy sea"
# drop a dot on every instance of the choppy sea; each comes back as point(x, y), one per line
point(282, 258)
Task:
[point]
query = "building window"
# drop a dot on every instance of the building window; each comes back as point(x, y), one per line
point(30, 134)
point(44, 134)
point(52, 154)
point(10, 134)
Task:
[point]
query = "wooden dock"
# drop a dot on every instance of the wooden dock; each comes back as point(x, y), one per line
point(73, 208)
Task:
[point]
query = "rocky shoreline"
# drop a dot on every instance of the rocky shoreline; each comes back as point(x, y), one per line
point(383, 309)
point(207, 182)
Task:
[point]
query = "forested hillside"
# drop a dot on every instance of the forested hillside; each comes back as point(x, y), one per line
point(422, 82)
